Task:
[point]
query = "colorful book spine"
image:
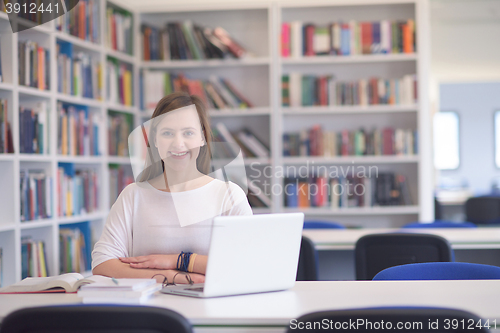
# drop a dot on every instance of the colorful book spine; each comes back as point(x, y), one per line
point(119, 82)
point(33, 131)
point(33, 258)
point(75, 248)
point(34, 64)
point(120, 176)
point(78, 74)
point(82, 21)
point(249, 143)
point(77, 190)
point(351, 190)
point(6, 144)
point(119, 24)
point(307, 90)
point(347, 38)
point(317, 142)
point(78, 130)
point(188, 41)
point(119, 128)
point(36, 195)
point(216, 92)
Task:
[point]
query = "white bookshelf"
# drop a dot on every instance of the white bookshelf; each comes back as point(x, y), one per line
point(12, 229)
point(205, 63)
point(416, 168)
point(348, 109)
point(257, 26)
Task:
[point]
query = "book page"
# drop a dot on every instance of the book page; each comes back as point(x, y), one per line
point(99, 279)
point(65, 281)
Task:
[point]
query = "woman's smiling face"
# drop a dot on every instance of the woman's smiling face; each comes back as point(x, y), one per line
point(179, 138)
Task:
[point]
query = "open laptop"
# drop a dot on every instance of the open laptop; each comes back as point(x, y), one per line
point(249, 254)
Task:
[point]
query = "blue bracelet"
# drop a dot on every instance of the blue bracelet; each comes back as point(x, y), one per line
point(183, 261)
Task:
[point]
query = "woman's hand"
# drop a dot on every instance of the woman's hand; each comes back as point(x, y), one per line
point(164, 261)
point(156, 261)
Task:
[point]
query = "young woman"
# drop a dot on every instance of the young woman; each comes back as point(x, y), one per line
point(170, 209)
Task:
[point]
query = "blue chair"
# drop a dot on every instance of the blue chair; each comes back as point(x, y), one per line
point(95, 319)
point(440, 224)
point(376, 252)
point(308, 267)
point(322, 225)
point(440, 271)
point(371, 319)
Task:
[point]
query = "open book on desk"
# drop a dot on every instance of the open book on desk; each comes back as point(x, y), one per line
point(68, 283)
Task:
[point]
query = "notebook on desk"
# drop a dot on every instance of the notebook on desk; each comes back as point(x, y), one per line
point(249, 254)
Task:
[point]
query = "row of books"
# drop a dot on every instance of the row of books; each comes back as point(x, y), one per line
point(33, 127)
point(386, 189)
point(36, 195)
point(216, 92)
point(77, 190)
point(34, 66)
point(33, 258)
point(77, 130)
point(119, 82)
point(249, 143)
point(119, 178)
point(185, 40)
point(79, 74)
point(119, 30)
point(309, 90)
point(74, 248)
point(119, 128)
point(6, 144)
point(318, 142)
point(82, 21)
point(347, 38)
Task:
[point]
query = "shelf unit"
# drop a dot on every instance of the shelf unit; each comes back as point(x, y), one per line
point(47, 230)
point(417, 168)
point(257, 26)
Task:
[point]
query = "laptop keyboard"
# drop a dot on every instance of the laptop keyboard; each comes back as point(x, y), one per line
point(200, 289)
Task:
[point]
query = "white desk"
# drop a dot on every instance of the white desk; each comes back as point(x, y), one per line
point(460, 238)
point(476, 245)
point(272, 312)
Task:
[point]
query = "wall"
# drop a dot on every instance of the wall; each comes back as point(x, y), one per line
point(475, 104)
point(464, 40)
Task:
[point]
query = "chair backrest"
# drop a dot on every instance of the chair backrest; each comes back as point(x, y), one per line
point(483, 210)
point(322, 225)
point(307, 270)
point(438, 209)
point(440, 224)
point(390, 319)
point(440, 271)
point(376, 252)
point(95, 318)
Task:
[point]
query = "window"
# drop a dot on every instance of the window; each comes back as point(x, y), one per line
point(446, 140)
